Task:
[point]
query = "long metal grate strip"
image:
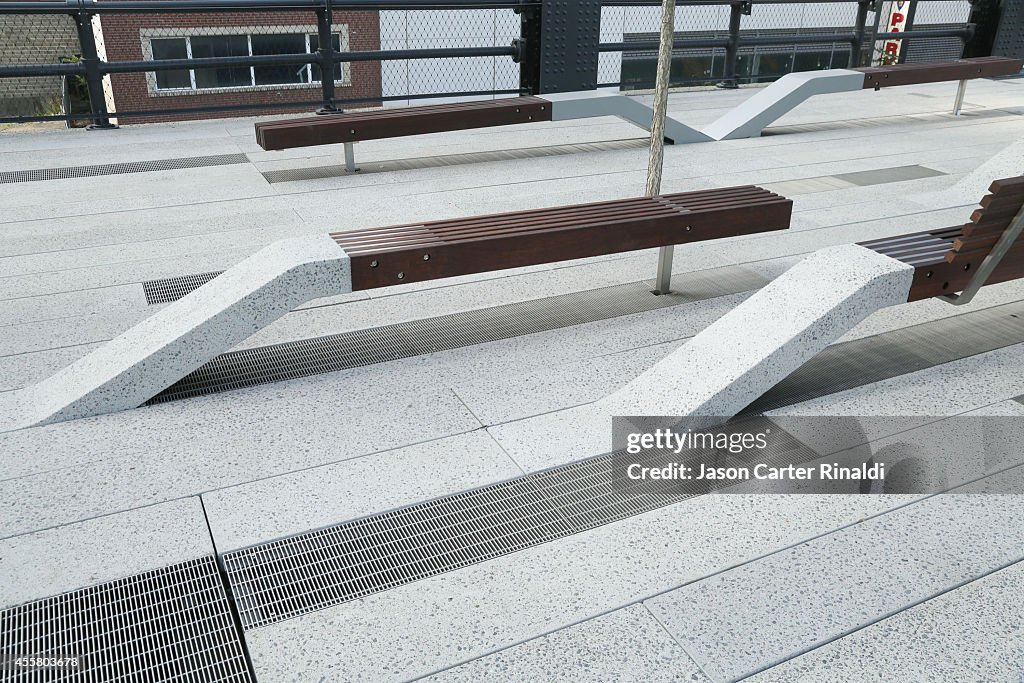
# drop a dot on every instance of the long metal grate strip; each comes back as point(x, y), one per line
point(311, 571)
point(38, 174)
point(334, 171)
point(173, 288)
point(291, 360)
point(884, 356)
point(170, 624)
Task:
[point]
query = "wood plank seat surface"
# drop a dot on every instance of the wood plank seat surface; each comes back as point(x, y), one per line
point(944, 260)
point(426, 251)
point(399, 122)
point(935, 72)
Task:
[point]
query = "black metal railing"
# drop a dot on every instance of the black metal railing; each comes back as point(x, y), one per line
point(557, 47)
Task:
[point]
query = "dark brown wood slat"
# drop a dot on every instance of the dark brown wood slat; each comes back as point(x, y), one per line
point(490, 247)
point(398, 123)
point(976, 252)
point(685, 197)
point(1013, 194)
point(397, 112)
point(1002, 211)
point(547, 215)
point(440, 235)
point(934, 72)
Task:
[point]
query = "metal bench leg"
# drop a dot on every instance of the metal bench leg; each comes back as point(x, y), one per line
point(959, 103)
point(663, 280)
point(991, 262)
point(350, 158)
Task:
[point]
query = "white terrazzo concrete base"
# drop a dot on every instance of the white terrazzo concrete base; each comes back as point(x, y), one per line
point(162, 349)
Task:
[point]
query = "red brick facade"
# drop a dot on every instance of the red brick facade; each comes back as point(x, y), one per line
point(123, 41)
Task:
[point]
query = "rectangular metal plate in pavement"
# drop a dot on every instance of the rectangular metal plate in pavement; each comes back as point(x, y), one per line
point(38, 174)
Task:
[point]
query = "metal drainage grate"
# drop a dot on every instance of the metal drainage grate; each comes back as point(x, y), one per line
point(170, 624)
point(314, 570)
point(251, 367)
point(317, 172)
point(173, 288)
point(118, 169)
point(886, 121)
point(873, 359)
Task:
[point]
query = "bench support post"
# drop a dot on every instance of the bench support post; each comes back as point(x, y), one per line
point(350, 157)
point(991, 262)
point(959, 102)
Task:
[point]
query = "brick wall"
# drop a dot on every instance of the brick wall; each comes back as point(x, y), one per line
point(33, 39)
point(123, 42)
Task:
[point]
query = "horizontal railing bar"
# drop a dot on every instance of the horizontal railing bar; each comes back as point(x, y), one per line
point(793, 39)
point(697, 3)
point(253, 60)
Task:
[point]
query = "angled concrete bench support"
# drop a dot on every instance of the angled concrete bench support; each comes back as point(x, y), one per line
point(132, 368)
point(751, 117)
point(750, 349)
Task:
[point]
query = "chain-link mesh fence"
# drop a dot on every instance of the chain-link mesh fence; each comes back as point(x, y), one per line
point(38, 39)
point(268, 58)
point(806, 22)
point(232, 90)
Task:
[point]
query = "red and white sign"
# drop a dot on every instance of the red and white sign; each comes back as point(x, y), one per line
point(896, 23)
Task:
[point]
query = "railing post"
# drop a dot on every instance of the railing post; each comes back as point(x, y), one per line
point(857, 44)
point(324, 20)
point(528, 45)
point(736, 10)
point(93, 77)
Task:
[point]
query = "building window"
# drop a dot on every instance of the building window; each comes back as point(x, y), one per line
point(207, 44)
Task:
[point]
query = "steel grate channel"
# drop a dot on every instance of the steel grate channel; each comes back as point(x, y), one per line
point(311, 571)
point(873, 359)
point(173, 288)
point(303, 358)
point(334, 171)
point(886, 121)
point(170, 624)
point(39, 174)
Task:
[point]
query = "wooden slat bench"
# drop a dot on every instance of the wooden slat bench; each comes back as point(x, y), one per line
point(140, 363)
point(935, 72)
point(392, 123)
point(946, 260)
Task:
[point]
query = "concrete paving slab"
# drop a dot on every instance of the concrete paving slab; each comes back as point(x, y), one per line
point(626, 645)
point(970, 634)
point(446, 620)
point(45, 563)
point(117, 462)
point(320, 496)
point(755, 616)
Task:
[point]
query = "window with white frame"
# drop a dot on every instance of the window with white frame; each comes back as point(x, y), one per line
point(239, 44)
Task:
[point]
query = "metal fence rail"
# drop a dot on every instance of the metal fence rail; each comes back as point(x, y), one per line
point(388, 50)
